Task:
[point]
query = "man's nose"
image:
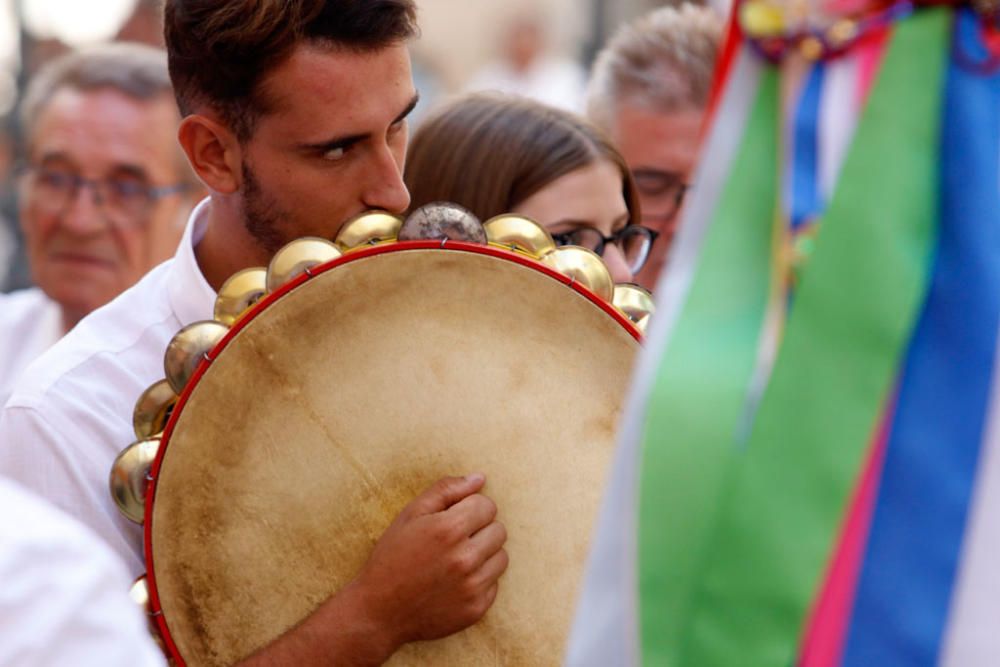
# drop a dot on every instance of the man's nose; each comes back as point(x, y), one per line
point(386, 189)
point(84, 213)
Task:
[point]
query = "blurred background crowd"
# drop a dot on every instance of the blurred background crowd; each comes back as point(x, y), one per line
point(541, 49)
point(804, 425)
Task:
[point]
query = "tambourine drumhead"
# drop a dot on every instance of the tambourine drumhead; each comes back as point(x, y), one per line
point(338, 403)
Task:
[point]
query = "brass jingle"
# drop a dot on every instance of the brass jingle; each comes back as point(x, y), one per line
point(811, 48)
point(585, 267)
point(140, 593)
point(519, 233)
point(762, 19)
point(368, 229)
point(443, 220)
point(843, 31)
point(643, 324)
point(130, 476)
point(634, 301)
point(297, 257)
point(188, 348)
point(152, 410)
point(242, 290)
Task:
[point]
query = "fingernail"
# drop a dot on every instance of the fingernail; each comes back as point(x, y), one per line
point(475, 477)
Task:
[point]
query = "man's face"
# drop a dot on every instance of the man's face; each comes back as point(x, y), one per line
point(89, 243)
point(661, 149)
point(331, 146)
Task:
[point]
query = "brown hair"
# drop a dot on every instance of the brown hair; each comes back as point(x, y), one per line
point(489, 152)
point(220, 50)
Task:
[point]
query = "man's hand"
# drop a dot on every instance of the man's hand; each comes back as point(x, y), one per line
point(432, 573)
point(435, 569)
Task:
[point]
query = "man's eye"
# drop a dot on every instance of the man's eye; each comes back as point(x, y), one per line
point(335, 154)
point(652, 185)
point(127, 189)
point(57, 179)
point(656, 180)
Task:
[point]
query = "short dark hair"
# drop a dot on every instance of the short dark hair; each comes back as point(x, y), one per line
point(220, 50)
point(490, 152)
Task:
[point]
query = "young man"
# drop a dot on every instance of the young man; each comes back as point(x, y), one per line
point(649, 91)
point(295, 120)
point(104, 194)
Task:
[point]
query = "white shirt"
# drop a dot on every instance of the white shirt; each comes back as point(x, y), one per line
point(30, 323)
point(69, 418)
point(64, 598)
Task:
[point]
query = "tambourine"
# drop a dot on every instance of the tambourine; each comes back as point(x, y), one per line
point(335, 385)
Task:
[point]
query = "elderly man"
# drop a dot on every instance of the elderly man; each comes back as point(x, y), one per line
point(104, 194)
point(295, 120)
point(649, 91)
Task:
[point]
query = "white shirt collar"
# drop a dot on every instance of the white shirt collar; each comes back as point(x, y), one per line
point(191, 297)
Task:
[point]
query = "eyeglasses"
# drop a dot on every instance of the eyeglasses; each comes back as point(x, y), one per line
point(662, 193)
point(635, 242)
point(125, 198)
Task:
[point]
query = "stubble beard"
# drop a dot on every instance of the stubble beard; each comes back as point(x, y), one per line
point(262, 216)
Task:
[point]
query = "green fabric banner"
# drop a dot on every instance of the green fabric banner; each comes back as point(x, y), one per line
point(846, 336)
point(700, 390)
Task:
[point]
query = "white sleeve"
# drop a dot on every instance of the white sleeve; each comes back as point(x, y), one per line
point(64, 599)
point(68, 465)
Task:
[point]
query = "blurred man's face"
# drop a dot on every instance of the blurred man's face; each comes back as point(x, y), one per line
point(661, 150)
point(524, 44)
point(95, 207)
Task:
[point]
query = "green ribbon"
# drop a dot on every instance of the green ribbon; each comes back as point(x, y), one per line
point(846, 336)
point(699, 393)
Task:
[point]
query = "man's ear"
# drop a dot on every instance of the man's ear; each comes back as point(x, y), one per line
point(213, 151)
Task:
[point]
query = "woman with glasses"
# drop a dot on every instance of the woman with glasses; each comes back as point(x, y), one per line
point(496, 154)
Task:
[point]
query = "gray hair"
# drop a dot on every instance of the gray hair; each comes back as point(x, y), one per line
point(661, 62)
point(135, 70)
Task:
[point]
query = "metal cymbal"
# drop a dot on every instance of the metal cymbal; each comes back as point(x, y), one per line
point(442, 220)
point(368, 229)
point(584, 266)
point(296, 257)
point(152, 410)
point(130, 476)
point(188, 348)
point(242, 290)
point(140, 593)
point(517, 232)
point(635, 302)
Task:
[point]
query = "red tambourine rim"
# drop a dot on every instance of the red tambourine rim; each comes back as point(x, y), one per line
point(381, 249)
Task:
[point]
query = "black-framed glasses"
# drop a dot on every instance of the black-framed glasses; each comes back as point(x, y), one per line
point(126, 197)
point(635, 242)
point(662, 192)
